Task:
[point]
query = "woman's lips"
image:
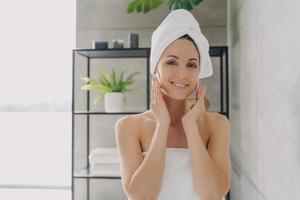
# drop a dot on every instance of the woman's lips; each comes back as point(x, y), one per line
point(179, 85)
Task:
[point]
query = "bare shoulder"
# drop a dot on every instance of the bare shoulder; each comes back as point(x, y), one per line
point(133, 122)
point(130, 122)
point(127, 130)
point(219, 136)
point(216, 120)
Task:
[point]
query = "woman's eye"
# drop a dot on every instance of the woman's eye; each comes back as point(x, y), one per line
point(191, 64)
point(170, 62)
point(194, 65)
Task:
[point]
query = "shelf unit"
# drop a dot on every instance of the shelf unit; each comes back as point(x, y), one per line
point(88, 54)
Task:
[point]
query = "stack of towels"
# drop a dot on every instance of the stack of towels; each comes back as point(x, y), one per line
point(104, 162)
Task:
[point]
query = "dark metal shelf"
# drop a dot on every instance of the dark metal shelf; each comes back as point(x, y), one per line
point(121, 113)
point(89, 54)
point(217, 51)
point(133, 52)
point(113, 53)
point(102, 113)
point(85, 174)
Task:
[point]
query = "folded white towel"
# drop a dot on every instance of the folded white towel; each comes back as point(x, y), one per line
point(104, 155)
point(175, 25)
point(105, 169)
point(104, 159)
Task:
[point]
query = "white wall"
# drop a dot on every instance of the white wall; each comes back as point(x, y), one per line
point(264, 46)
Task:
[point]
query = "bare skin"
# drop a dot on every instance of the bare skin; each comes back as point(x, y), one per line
point(176, 135)
point(167, 125)
point(185, 69)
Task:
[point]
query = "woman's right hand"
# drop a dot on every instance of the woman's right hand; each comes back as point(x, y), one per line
point(158, 105)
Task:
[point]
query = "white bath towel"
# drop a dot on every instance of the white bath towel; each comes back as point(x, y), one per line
point(105, 169)
point(175, 25)
point(104, 155)
point(177, 182)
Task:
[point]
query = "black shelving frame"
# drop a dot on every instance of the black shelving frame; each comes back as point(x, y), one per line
point(215, 51)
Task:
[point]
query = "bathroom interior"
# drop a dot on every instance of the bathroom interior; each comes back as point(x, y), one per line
point(57, 137)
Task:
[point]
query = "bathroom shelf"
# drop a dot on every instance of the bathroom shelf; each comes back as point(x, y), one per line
point(89, 54)
point(85, 174)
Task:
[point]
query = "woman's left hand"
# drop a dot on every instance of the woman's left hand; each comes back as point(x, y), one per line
point(198, 109)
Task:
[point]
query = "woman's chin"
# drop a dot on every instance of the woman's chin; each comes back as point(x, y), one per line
point(178, 97)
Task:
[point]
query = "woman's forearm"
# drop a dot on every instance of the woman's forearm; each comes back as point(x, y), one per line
point(147, 179)
point(209, 180)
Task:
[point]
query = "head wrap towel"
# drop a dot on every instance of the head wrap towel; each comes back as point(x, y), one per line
point(175, 25)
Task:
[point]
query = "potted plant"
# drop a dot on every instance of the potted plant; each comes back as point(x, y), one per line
point(112, 87)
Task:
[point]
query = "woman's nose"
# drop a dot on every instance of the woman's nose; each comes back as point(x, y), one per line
point(180, 76)
point(182, 73)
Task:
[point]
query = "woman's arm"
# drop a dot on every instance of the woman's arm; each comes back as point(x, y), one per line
point(141, 178)
point(210, 168)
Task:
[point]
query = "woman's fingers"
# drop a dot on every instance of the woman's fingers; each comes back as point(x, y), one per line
point(201, 93)
point(159, 95)
point(152, 90)
point(156, 91)
point(197, 93)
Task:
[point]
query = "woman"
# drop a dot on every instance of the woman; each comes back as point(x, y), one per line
point(174, 151)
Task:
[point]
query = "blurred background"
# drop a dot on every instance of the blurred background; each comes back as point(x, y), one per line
point(37, 158)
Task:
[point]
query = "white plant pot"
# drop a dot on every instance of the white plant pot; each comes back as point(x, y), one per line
point(113, 102)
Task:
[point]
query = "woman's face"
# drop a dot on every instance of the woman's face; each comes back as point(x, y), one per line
point(179, 69)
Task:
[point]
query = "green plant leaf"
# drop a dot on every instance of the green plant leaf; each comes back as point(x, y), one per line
point(143, 5)
point(196, 2)
point(147, 6)
point(88, 80)
point(139, 6)
point(187, 5)
point(109, 83)
point(110, 79)
point(85, 79)
point(98, 97)
point(104, 79)
point(132, 75)
point(91, 87)
point(114, 79)
point(177, 5)
point(131, 7)
point(127, 83)
point(183, 4)
point(121, 77)
point(105, 89)
point(156, 3)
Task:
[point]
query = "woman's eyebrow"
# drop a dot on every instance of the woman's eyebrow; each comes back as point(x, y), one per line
point(177, 57)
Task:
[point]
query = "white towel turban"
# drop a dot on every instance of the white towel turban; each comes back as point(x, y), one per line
point(175, 25)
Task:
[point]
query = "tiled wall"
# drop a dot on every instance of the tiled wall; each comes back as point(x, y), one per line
point(263, 38)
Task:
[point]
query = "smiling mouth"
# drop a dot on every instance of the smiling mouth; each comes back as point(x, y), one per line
point(179, 85)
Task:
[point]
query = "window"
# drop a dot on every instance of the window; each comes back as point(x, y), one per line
point(37, 38)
